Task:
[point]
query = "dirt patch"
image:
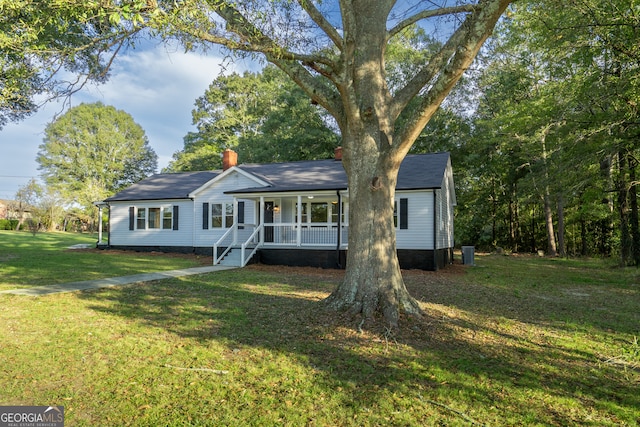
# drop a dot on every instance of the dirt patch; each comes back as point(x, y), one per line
point(414, 279)
point(421, 284)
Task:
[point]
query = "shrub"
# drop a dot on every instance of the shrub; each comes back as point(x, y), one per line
point(8, 224)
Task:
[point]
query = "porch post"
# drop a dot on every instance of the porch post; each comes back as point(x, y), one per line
point(299, 220)
point(99, 224)
point(339, 239)
point(261, 218)
point(235, 219)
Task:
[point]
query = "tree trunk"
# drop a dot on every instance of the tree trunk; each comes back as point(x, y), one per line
point(373, 282)
point(374, 148)
point(607, 225)
point(512, 220)
point(494, 213)
point(533, 230)
point(584, 249)
point(623, 211)
point(548, 218)
point(548, 212)
point(633, 201)
point(561, 245)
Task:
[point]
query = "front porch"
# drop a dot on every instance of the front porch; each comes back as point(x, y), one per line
point(298, 223)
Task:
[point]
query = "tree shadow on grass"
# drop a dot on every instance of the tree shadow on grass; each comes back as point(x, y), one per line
point(281, 313)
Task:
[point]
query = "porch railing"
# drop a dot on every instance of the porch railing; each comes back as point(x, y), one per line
point(227, 242)
point(307, 234)
point(277, 234)
point(250, 243)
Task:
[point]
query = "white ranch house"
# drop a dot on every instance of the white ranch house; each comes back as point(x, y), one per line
point(292, 213)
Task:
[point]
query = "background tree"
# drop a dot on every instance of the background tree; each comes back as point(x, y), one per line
point(566, 77)
point(50, 210)
point(92, 151)
point(38, 39)
point(263, 116)
point(27, 198)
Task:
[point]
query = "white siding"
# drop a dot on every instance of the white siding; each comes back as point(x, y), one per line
point(120, 235)
point(419, 234)
point(445, 200)
point(215, 194)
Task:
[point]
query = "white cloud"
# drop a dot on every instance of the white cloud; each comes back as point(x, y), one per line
point(156, 86)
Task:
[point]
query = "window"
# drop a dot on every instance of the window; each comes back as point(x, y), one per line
point(323, 212)
point(154, 218)
point(228, 215)
point(401, 214)
point(395, 213)
point(221, 215)
point(319, 212)
point(165, 218)
point(304, 212)
point(141, 222)
point(216, 215)
point(334, 212)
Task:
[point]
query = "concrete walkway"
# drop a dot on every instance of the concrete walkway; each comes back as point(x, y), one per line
point(114, 281)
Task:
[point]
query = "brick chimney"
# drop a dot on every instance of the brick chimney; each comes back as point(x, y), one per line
point(229, 159)
point(338, 153)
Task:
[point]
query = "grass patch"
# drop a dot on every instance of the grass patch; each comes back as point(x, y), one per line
point(44, 259)
point(513, 341)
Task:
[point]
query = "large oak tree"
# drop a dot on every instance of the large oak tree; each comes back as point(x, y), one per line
point(335, 51)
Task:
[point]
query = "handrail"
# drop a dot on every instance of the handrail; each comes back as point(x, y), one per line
point(216, 258)
point(244, 260)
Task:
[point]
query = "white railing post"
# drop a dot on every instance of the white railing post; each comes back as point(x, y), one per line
point(299, 221)
point(235, 220)
point(261, 222)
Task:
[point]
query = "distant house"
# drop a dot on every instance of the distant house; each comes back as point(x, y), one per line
point(292, 213)
point(13, 210)
point(4, 209)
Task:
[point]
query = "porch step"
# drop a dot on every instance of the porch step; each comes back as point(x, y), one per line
point(232, 258)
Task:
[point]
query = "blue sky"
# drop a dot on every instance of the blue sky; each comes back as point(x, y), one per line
point(157, 86)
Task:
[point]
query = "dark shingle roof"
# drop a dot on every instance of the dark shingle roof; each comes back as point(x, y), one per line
point(294, 176)
point(165, 186)
point(418, 171)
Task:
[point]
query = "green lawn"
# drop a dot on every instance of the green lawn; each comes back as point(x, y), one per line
point(44, 259)
point(512, 341)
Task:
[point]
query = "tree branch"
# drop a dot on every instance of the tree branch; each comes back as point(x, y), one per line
point(425, 14)
point(469, 39)
point(250, 38)
point(427, 73)
point(322, 22)
point(317, 92)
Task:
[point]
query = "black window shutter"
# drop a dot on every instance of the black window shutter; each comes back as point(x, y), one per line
point(132, 217)
point(241, 215)
point(404, 214)
point(205, 216)
point(176, 212)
